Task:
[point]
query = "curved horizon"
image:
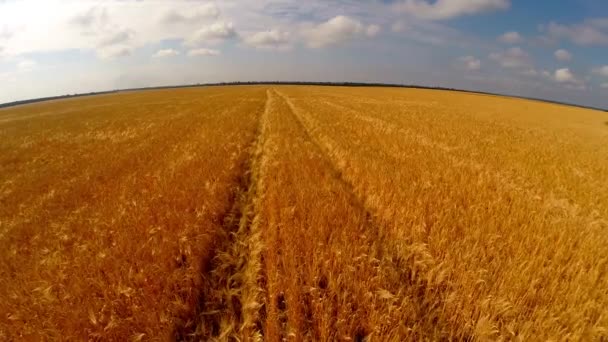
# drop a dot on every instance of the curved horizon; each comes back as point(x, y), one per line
point(322, 83)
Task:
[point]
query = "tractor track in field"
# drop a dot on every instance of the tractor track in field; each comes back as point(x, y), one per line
point(230, 301)
point(403, 264)
point(353, 198)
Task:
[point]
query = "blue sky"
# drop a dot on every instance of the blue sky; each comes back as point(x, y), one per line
point(550, 49)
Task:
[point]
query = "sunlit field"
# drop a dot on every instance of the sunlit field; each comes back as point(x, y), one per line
point(303, 213)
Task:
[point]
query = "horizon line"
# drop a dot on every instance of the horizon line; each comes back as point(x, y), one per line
point(312, 83)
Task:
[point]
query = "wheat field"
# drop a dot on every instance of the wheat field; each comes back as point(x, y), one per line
point(303, 213)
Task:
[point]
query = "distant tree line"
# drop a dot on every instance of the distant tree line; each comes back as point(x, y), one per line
point(329, 84)
point(50, 98)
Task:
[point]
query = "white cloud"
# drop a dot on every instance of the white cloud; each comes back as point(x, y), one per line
point(590, 32)
point(512, 58)
point(471, 63)
point(563, 55)
point(373, 30)
point(511, 37)
point(335, 31)
point(214, 33)
point(273, 39)
point(563, 75)
point(447, 9)
point(59, 25)
point(192, 15)
point(602, 71)
point(203, 52)
point(568, 79)
point(165, 53)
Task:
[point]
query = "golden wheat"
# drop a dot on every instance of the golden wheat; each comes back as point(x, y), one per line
point(303, 213)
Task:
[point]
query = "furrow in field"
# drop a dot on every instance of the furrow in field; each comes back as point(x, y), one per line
point(73, 199)
point(129, 261)
point(230, 304)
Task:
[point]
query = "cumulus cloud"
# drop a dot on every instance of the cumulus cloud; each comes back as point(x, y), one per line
point(214, 33)
point(203, 52)
point(513, 58)
point(601, 71)
point(448, 9)
point(272, 39)
point(204, 11)
point(165, 53)
point(590, 32)
point(568, 79)
point(563, 55)
point(335, 31)
point(471, 63)
point(563, 75)
point(511, 37)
